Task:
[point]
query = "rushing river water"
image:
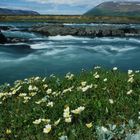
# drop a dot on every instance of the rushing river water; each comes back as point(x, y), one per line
point(62, 54)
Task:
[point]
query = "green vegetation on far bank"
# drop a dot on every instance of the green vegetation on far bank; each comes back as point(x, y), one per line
point(101, 104)
point(70, 19)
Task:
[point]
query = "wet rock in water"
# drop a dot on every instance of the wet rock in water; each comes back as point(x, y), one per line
point(5, 28)
point(3, 39)
point(22, 48)
point(99, 31)
point(17, 40)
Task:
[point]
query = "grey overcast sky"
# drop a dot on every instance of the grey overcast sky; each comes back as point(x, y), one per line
point(53, 6)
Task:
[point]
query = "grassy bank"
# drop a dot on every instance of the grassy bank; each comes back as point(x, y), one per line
point(70, 19)
point(101, 104)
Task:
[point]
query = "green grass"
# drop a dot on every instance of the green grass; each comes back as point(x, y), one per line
point(71, 19)
point(110, 101)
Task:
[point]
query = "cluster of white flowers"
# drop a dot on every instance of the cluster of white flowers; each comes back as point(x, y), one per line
point(78, 110)
point(69, 76)
point(130, 76)
point(15, 89)
point(83, 84)
point(50, 104)
point(52, 76)
point(130, 72)
point(32, 94)
point(137, 71)
point(36, 78)
point(32, 88)
point(38, 121)
point(129, 92)
point(22, 95)
point(26, 99)
point(67, 115)
point(84, 87)
point(68, 89)
point(96, 75)
point(55, 94)
point(44, 99)
point(104, 129)
point(97, 67)
point(3, 95)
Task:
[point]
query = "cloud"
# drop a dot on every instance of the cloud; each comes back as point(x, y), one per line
point(89, 3)
point(69, 2)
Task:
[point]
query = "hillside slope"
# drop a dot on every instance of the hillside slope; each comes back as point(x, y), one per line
point(4, 11)
point(115, 9)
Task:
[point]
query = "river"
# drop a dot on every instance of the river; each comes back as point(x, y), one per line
point(61, 54)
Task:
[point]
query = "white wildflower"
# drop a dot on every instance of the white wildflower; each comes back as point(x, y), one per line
point(130, 80)
point(37, 121)
point(130, 72)
point(32, 88)
point(95, 85)
point(68, 90)
point(37, 78)
point(78, 110)
point(137, 71)
point(69, 76)
point(32, 94)
point(83, 83)
point(50, 104)
point(104, 129)
point(68, 120)
point(22, 94)
point(105, 80)
point(115, 68)
point(97, 76)
point(89, 125)
point(67, 115)
point(97, 67)
point(45, 86)
point(63, 138)
point(129, 92)
point(49, 91)
point(46, 120)
point(111, 101)
point(47, 128)
point(57, 122)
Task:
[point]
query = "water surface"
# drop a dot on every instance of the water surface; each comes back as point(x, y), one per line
point(61, 54)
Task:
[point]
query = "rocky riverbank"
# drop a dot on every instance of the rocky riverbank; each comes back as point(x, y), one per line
point(91, 31)
point(63, 30)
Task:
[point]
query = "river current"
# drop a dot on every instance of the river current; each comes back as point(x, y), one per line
point(61, 54)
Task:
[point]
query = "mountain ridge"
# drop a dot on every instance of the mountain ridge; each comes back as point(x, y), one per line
point(6, 11)
point(115, 8)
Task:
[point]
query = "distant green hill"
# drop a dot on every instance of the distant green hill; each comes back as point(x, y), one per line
point(115, 9)
point(5, 11)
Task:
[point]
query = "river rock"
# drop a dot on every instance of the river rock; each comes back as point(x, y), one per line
point(5, 27)
point(17, 40)
point(2, 38)
point(99, 31)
